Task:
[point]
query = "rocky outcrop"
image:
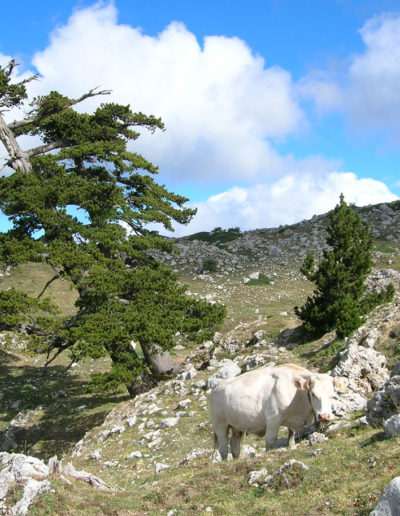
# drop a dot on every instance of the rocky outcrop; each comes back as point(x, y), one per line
point(274, 248)
point(365, 370)
point(33, 474)
point(384, 406)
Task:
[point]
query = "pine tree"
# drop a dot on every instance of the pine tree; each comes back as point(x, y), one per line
point(339, 301)
point(124, 294)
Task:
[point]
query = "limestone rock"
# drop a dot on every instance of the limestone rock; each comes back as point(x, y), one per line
point(16, 466)
point(253, 361)
point(317, 438)
point(229, 369)
point(159, 468)
point(392, 425)
point(197, 452)
point(168, 422)
point(365, 369)
point(385, 403)
point(32, 488)
point(389, 504)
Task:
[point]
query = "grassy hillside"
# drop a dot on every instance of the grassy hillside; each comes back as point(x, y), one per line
point(51, 412)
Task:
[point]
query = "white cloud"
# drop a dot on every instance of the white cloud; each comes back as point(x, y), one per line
point(285, 201)
point(221, 105)
point(323, 90)
point(368, 90)
point(375, 75)
point(224, 109)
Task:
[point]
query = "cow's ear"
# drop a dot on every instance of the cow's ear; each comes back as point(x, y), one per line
point(302, 383)
point(339, 383)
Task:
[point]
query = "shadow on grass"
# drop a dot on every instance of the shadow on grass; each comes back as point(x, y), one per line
point(376, 438)
point(7, 358)
point(327, 356)
point(50, 410)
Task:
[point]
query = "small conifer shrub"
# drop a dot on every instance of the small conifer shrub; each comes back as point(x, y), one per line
point(340, 301)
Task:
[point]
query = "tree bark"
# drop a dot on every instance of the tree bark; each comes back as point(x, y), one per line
point(161, 361)
point(161, 364)
point(19, 160)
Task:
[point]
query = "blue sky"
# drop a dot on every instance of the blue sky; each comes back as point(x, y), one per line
point(272, 108)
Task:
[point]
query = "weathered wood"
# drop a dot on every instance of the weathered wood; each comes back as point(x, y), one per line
point(56, 468)
point(19, 160)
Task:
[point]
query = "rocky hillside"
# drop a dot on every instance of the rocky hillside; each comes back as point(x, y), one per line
point(154, 454)
point(272, 249)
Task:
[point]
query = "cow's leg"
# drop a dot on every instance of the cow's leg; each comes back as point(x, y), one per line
point(271, 435)
point(291, 443)
point(235, 443)
point(222, 439)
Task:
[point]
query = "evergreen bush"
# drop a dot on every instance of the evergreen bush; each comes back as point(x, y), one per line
point(340, 301)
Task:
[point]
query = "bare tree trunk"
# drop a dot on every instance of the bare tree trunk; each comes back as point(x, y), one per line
point(161, 361)
point(161, 364)
point(19, 160)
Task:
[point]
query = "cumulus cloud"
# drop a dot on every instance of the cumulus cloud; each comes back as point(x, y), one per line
point(221, 104)
point(375, 75)
point(288, 200)
point(367, 92)
point(323, 90)
point(225, 109)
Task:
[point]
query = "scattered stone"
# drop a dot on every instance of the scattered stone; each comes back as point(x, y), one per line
point(168, 422)
point(184, 403)
point(135, 455)
point(111, 463)
point(253, 361)
point(95, 455)
point(132, 421)
point(249, 451)
point(262, 479)
point(189, 374)
point(317, 438)
point(159, 468)
point(155, 443)
point(257, 478)
point(197, 452)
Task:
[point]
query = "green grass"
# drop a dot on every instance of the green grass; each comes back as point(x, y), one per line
point(261, 280)
point(384, 248)
point(32, 278)
point(346, 478)
point(326, 357)
point(220, 237)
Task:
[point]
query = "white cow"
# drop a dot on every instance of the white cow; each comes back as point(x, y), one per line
point(262, 400)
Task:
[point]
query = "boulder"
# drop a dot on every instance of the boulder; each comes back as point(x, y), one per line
point(385, 403)
point(229, 369)
point(365, 368)
point(392, 425)
point(389, 504)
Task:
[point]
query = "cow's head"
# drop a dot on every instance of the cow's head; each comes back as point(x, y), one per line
point(320, 389)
